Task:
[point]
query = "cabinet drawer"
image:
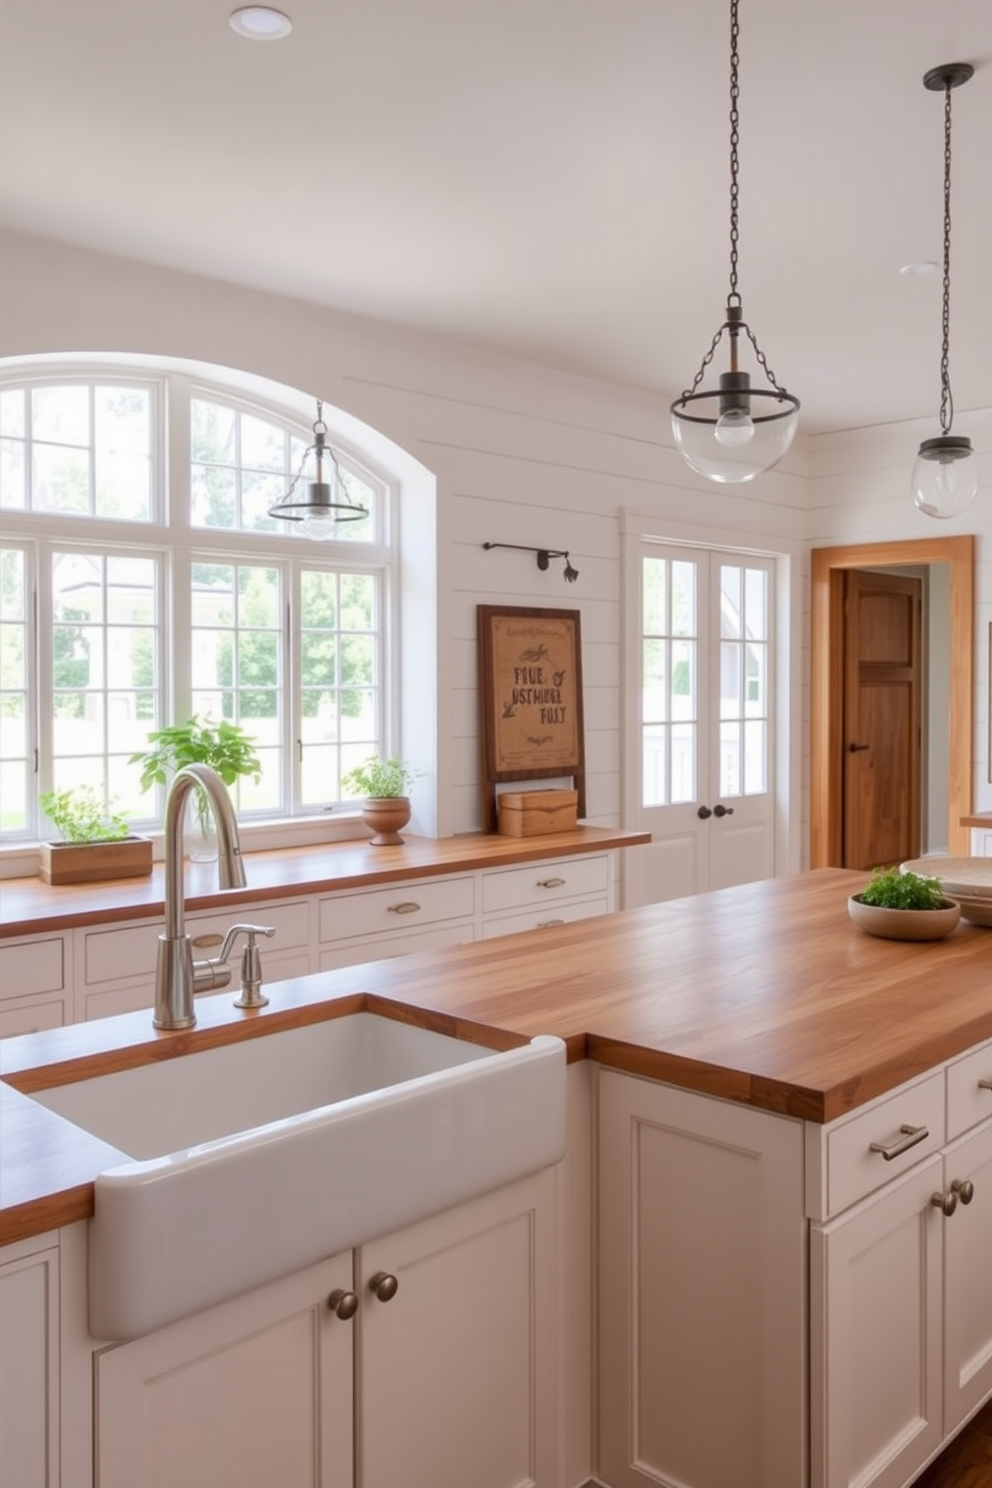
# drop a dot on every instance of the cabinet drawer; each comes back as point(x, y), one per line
point(375, 948)
point(969, 1090)
point(30, 1014)
point(402, 906)
point(33, 966)
point(127, 953)
point(544, 883)
point(842, 1167)
point(544, 917)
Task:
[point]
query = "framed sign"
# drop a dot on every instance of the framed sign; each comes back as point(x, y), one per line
point(530, 690)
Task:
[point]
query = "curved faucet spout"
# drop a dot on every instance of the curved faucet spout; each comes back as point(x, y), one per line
point(174, 977)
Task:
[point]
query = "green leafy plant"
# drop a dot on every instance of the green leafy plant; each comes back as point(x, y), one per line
point(379, 779)
point(199, 741)
point(80, 815)
point(890, 889)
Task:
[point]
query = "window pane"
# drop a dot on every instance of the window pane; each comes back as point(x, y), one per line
point(61, 415)
point(14, 741)
point(654, 766)
point(60, 479)
point(122, 418)
point(106, 664)
point(683, 762)
point(730, 600)
point(339, 676)
point(684, 599)
point(12, 469)
point(730, 679)
point(730, 759)
point(684, 679)
point(655, 591)
point(755, 757)
point(236, 662)
point(756, 603)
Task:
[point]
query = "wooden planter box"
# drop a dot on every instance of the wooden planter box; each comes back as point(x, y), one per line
point(535, 813)
point(87, 862)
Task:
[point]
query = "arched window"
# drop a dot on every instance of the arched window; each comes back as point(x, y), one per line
point(142, 581)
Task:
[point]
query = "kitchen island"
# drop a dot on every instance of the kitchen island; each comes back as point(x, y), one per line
point(760, 1026)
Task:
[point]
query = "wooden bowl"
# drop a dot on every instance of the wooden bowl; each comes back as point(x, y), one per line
point(904, 924)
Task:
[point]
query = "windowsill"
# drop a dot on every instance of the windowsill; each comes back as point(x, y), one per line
point(20, 860)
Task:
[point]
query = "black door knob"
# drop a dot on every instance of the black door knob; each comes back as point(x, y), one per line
point(721, 810)
point(704, 812)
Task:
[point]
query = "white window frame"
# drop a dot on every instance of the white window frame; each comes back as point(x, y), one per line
point(170, 532)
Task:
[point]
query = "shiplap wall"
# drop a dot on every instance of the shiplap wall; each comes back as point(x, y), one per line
point(520, 454)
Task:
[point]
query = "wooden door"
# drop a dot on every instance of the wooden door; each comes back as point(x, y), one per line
point(457, 1385)
point(883, 683)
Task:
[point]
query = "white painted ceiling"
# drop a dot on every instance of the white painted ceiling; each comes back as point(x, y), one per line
point(544, 178)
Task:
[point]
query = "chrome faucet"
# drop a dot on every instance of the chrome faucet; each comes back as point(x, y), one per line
point(177, 975)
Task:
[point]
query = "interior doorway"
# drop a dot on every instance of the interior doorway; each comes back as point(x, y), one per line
point(882, 778)
point(828, 741)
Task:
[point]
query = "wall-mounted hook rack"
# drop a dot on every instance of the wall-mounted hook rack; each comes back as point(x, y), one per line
point(544, 557)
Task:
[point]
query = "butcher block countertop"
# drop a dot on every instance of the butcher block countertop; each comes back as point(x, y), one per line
point(764, 994)
point(28, 906)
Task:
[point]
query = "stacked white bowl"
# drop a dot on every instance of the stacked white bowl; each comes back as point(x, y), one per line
point(968, 880)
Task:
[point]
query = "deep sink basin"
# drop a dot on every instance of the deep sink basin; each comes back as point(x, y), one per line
point(246, 1162)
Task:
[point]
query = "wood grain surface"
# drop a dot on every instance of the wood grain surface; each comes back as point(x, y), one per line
point(28, 906)
point(765, 994)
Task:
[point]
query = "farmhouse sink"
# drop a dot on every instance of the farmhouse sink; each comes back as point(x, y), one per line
point(243, 1163)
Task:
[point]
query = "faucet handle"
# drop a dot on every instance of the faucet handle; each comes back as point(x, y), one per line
point(251, 965)
point(250, 930)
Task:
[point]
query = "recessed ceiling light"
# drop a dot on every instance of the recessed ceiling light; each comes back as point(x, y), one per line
point(919, 268)
point(260, 23)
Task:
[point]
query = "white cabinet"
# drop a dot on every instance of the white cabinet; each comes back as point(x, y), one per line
point(900, 1277)
point(545, 893)
point(255, 1392)
point(407, 916)
point(702, 1291)
point(115, 964)
point(450, 1379)
point(29, 1364)
point(35, 984)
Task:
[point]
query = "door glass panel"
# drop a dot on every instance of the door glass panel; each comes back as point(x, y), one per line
point(730, 759)
point(669, 682)
point(744, 691)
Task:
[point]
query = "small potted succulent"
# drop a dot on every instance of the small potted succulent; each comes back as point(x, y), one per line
point(95, 840)
point(903, 906)
point(383, 783)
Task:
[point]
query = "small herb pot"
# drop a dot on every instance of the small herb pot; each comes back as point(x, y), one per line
point(904, 924)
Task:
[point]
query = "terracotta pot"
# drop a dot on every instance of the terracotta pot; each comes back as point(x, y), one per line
point(384, 815)
point(904, 924)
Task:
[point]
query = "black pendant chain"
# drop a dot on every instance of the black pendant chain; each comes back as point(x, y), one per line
point(946, 398)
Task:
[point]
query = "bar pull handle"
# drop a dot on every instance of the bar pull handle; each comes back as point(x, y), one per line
point(909, 1136)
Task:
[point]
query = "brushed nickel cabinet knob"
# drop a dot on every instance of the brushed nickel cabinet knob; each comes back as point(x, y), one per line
point(384, 1286)
point(343, 1304)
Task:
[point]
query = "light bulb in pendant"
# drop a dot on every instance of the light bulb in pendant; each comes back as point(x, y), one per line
point(734, 429)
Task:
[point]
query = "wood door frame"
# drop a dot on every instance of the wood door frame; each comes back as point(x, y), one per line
point(827, 567)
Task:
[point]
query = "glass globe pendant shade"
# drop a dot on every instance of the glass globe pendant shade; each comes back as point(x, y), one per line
point(945, 476)
point(321, 505)
point(732, 435)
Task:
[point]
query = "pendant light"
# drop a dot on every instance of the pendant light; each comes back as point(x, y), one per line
point(945, 476)
point(734, 432)
point(326, 502)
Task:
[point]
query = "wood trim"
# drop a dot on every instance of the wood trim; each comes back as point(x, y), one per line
point(826, 674)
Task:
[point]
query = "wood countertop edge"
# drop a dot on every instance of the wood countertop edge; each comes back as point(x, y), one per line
point(40, 908)
point(502, 992)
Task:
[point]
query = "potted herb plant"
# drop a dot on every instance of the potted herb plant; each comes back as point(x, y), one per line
point(95, 841)
point(199, 741)
point(386, 806)
point(903, 906)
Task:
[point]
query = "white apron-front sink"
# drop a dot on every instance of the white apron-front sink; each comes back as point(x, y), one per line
point(246, 1162)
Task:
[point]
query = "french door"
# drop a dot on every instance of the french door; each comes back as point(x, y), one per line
point(701, 775)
